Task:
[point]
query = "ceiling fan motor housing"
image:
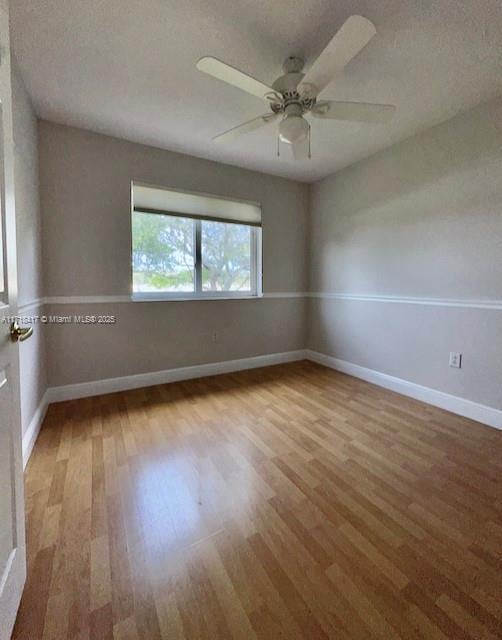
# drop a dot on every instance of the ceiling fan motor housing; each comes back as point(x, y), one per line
point(286, 86)
point(288, 82)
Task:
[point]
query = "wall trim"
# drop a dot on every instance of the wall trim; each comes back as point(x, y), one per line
point(435, 302)
point(461, 406)
point(487, 303)
point(85, 299)
point(135, 381)
point(286, 294)
point(128, 298)
point(30, 306)
point(31, 434)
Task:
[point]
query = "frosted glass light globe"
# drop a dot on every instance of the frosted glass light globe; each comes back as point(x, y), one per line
point(293, 128)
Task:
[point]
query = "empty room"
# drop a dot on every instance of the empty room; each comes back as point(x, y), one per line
point(250, 320)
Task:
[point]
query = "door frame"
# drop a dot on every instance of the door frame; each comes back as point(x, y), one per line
point(13, 574)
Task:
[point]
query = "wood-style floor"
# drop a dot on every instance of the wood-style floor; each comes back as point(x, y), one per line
point(288, 502)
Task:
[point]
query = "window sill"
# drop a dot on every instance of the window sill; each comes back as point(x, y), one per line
point(168, 298)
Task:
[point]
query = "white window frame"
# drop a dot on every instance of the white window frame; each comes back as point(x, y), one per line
point(198, 294)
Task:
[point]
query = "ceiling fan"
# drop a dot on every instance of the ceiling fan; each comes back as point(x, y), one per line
point(295, 94)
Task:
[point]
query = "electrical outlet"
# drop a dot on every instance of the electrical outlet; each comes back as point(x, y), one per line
point(455, 359)
point(214, 337)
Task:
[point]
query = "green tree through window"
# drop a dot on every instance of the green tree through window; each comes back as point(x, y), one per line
point(164, 255)
point(226, 257)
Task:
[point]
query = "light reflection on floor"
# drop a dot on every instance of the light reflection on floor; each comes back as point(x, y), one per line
point(180, 499)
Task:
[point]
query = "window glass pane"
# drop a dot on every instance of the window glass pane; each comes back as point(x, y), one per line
point(163, 253)
point(226, 256)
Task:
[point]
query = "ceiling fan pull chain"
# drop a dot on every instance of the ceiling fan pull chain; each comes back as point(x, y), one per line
point(310, 141)
point(278, 146)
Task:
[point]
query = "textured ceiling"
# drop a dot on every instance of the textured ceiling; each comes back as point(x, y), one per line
point(127, 68)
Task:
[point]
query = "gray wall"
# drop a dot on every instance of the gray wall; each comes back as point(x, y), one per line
point(29, 244)
point(420, 219)
point(85, 190)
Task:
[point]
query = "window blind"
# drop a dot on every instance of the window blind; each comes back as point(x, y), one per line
point(174, 202)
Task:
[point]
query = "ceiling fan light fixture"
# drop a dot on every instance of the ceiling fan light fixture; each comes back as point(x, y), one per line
point(293, 128)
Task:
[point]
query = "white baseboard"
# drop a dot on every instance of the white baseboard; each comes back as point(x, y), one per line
point(31, 434)
point(473, 410)
point(466, 408)
point(111, 385)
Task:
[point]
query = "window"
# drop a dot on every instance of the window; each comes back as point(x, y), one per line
point(187, 245)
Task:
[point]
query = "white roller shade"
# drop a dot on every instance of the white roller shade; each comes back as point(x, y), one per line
point(150, 199)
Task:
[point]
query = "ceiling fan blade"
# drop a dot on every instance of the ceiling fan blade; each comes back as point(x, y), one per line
point(245, 127)
point(236, 78)
point(301, 149)
point(353, 111)
point(354, 34)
